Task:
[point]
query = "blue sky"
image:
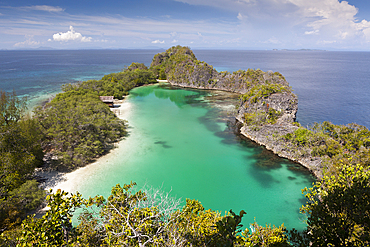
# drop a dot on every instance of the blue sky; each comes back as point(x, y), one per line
point(213, 24)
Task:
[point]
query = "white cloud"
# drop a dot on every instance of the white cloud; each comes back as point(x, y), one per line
point(291, 23)
point(343, 35)
point(27, 43)
point(312, 32)
point(327, 18)
point(43, 8)
point(272, 40)
point(158, 42)
point(70, 35)
point(102, 40)
point(365, 27)
point(326, 42)
point(240, 16)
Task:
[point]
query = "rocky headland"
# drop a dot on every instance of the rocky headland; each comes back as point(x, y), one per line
point(267, 108)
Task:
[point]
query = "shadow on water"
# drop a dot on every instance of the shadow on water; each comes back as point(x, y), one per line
point(263, 160)
point(164, 144)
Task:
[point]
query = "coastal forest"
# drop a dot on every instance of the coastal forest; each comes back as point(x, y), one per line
point(75, 127)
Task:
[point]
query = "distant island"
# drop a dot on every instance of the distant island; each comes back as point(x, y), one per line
point(298, 50)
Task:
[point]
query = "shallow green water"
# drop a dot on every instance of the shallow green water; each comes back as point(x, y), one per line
point(178, 142)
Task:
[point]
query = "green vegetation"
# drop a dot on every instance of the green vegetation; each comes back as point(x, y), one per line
point(335, 144)
point(260, 92)
point(262, 117)
point(116, 84)
point(164, 63)
point(78, 128)
point(338, 209)
point(20, 154)
point(141, 218)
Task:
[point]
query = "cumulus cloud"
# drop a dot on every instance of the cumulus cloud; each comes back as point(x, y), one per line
point(334, 18)
point(158, 42)
point(174, 41)
point(71, 35)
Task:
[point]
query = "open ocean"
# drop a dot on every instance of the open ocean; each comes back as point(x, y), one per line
point(331, 86)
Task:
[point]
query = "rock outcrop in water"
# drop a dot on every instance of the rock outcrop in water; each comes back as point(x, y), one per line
point(267, 106)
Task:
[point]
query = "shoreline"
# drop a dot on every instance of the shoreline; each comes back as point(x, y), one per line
point(64, 180)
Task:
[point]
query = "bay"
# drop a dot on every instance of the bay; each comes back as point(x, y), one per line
point(179, 141)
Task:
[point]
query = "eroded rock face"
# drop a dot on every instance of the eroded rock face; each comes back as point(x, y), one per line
point(201, 75)
point(272, 135)
point(285, 102)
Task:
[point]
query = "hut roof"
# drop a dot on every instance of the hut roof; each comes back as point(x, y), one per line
point(106, 99)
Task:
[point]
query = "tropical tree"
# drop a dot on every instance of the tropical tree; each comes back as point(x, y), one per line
point(338, 209)
point(129, 218)
point(78, 128)
point(55, 227)
point(20, 154)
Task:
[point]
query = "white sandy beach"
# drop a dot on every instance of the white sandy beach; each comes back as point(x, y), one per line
point(69, 181)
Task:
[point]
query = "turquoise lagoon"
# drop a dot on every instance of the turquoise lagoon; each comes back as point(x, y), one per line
point(181, 141)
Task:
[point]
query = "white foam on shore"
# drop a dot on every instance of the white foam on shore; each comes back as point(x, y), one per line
point(69, 181)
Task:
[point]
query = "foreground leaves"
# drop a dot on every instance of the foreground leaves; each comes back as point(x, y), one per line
point(338, 209)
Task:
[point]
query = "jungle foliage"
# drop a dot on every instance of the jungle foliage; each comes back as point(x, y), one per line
point(20, 154)
point(78, 128)
point(164, 63)
point(138, 218)
point(335, 144)
point(338, 209)
point(116, 84)
point(261, 91)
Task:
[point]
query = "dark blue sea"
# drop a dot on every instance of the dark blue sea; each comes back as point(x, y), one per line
point(331, 86)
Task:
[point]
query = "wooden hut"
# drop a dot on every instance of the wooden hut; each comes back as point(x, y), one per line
point(107, 100)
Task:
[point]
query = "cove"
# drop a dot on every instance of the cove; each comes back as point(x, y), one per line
point(180, 140)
